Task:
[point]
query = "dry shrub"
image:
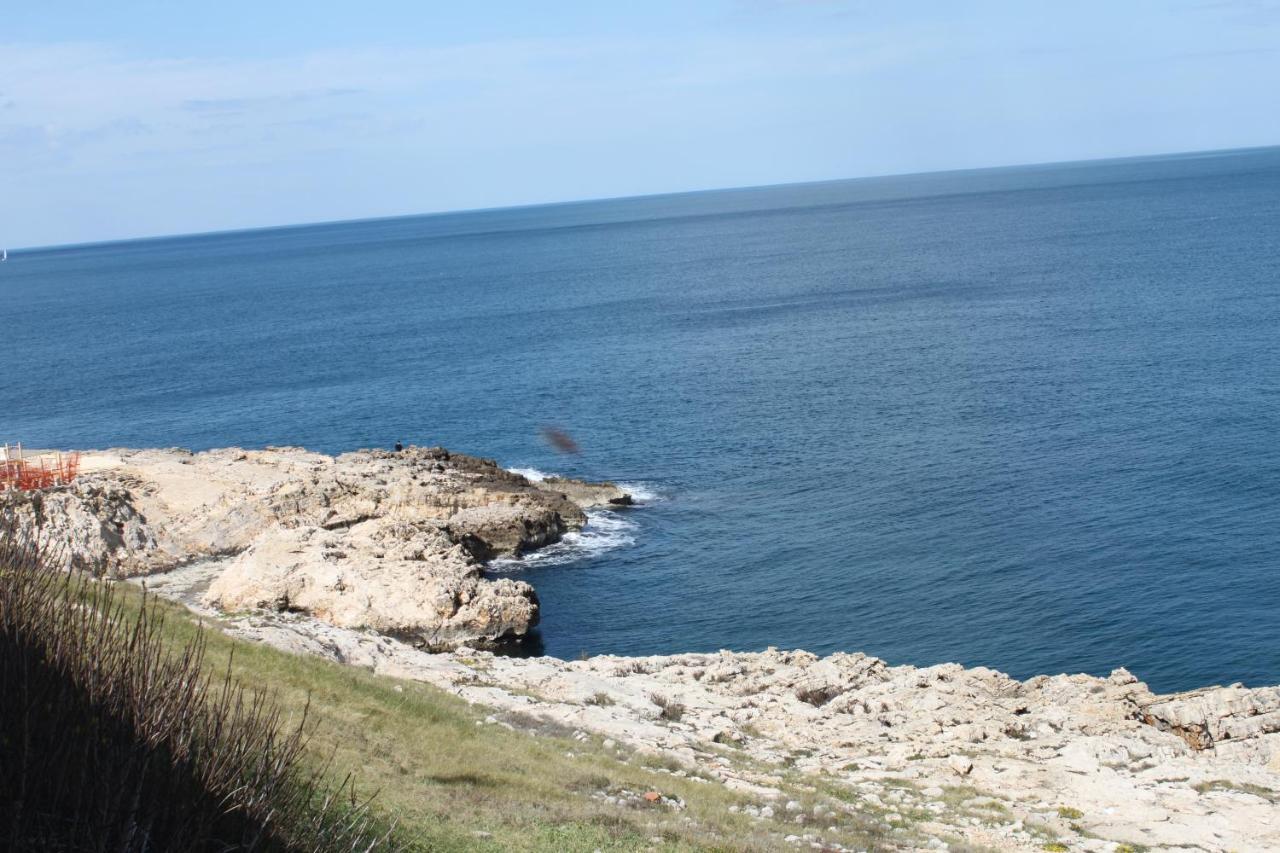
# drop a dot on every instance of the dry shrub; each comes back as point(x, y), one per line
point(669, 708)
point(112, 741)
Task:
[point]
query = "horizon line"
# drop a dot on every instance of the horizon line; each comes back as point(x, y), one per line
point(249, 229)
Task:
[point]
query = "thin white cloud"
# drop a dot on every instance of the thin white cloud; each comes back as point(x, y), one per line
point(73, 95)
point(97, 142)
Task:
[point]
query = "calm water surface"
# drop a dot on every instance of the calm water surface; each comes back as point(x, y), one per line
point(1027, 418)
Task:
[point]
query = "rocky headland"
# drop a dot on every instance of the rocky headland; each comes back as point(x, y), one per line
point(393, 542)
point(377, 559)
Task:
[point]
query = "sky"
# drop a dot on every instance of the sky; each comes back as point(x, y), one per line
point(131, 119)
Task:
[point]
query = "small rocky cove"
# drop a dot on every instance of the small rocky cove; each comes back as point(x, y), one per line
point(377, 559)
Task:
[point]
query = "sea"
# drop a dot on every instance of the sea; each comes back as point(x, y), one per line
point(1026, 418)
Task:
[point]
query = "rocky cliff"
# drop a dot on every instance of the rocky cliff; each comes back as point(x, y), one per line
point(394, 542)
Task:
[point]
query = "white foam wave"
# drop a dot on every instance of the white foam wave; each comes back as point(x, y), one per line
point(642, 493)
point(604, 531)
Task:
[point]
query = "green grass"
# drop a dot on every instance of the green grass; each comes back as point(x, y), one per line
point(450, 781)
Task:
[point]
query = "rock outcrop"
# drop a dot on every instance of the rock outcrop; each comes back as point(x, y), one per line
point(403, 578)
point(90, 526)
point(394, 542)
point(1230, 721)
point(1063, 762)
point(588, 494)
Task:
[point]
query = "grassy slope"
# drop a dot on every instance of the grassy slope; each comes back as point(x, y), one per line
point(452, 782)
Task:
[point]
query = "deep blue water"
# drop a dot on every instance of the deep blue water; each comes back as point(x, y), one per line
point(1027, 418)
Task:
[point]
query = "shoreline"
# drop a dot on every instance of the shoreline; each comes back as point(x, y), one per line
point(1074, 758)
point(334, 556)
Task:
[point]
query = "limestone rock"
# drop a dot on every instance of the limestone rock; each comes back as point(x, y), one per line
point(1235, 720)
point(588, 494)
point(403, 579)
point(394, 542)
point(90, 526)
point(493, 529)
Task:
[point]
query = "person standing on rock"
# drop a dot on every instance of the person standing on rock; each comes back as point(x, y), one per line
point(399, 447)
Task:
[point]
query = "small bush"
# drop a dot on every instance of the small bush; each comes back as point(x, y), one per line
point(670, 709)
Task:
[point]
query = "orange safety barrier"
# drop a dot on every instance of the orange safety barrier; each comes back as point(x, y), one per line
point(41, 473)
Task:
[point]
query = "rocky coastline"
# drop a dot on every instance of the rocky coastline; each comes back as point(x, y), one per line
point(390, 541)
point(377, 559)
